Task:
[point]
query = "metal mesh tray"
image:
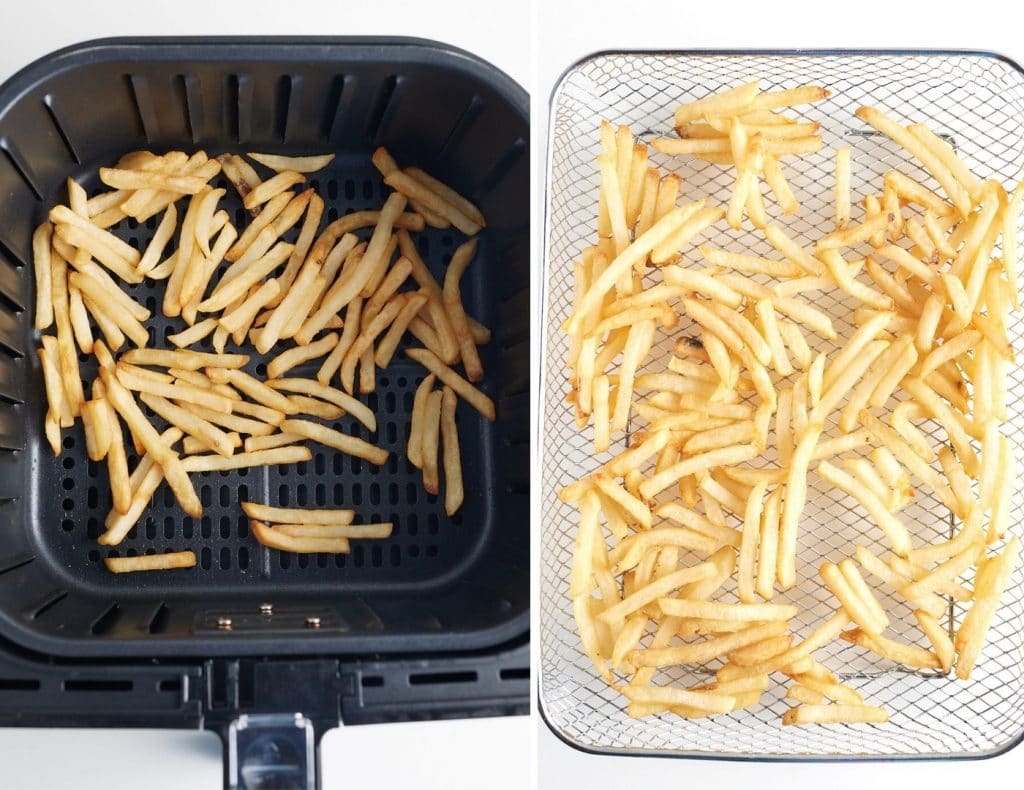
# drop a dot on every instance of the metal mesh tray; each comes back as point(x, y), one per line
point(976, 101)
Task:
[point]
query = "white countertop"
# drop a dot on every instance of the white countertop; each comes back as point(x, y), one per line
point(445, 755)
point(571, 29)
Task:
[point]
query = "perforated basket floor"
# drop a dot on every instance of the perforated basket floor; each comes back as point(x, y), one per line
point(974, 100)
point(438, 583)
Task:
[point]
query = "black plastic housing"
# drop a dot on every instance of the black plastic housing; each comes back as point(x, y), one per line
point(439, 585)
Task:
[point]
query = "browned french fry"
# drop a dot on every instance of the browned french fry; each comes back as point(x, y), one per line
point(430, 440)
point(461, 259)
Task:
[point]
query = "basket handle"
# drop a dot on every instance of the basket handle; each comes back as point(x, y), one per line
point(279, 750)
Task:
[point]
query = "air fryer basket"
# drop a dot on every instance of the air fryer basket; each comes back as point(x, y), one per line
point(439, 583)
point(976, 100)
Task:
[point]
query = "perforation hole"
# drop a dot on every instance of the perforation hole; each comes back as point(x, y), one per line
point(205, 558)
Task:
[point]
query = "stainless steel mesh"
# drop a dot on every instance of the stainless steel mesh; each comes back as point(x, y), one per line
point(977, 102)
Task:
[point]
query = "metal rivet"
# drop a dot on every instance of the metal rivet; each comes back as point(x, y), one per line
point(266, 608)
point(312, 622)
point(224, 623)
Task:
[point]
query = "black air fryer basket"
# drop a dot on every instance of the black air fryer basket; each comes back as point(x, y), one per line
point(259, 645)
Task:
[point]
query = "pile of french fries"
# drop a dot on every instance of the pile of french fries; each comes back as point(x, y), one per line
point(326, 296)
point(722, 436)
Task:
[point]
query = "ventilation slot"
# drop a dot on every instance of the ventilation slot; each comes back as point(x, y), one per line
point(21, 166)
point(14, 563)
point(372, 681)
point(466, 120)
point(51, 109)
point(376, 125)
point(240, 106)
point(98, 685)
point(158, 623)
point(519, 673)
point(193, 105)
point(50, 602)
point(170, 685)
point(501, 169)
point(440, 678)
point(105, 622)
point(289, 89)
point(143, 98)
point(7, 251)
point(18, 684)
point(338, 100)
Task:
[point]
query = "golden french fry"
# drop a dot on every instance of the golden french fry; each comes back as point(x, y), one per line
point(429, 441)
point(41, 262)
point(281, 541)
point(327, 436)
point(121, 399)
point(297, 164)
point(151, 562)
point(308, 516)
point(357, 531)
point(452, 454)
point(835, 714)
point(477, 399)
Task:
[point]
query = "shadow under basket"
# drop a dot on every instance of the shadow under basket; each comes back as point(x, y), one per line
point(439, 583)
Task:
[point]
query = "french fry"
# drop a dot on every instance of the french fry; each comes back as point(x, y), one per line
point(452, 454)
point(477, 399)
point(274, 539)
point(41, 263)
point(429, 441)
point(349, 531)
point(793, 504)
point(275, 457)
point(151, 562)
point(991, 580)
point(297, 164)
point(122, 400)
point(908, 655)
point(768, 549)
point(842, 187)
point(313, 388)
point(339, 441)
point(305, 516)
point(835, 714)
point(894, 530)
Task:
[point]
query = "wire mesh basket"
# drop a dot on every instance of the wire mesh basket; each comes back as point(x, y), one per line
point(976, 102)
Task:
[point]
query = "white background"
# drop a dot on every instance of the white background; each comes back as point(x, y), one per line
point(449, 755)
point(570, 29)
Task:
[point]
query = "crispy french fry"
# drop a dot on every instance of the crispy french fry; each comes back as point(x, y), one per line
point(339, 441)
point(274, 539)
point(151, 562)
point(452, 454)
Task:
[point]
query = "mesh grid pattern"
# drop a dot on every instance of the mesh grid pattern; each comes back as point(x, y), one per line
point(974, 101)
point(425, 543)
